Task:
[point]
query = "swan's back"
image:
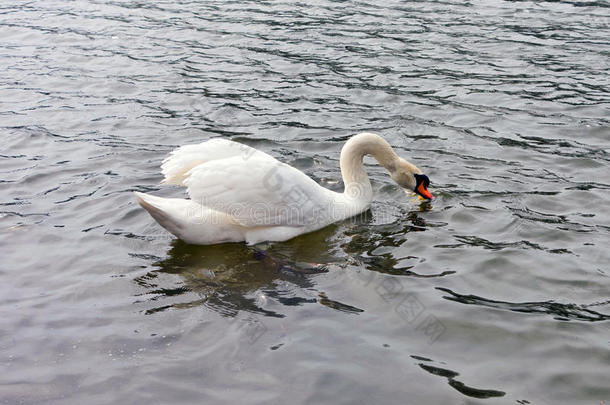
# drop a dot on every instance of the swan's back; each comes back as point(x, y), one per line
point(259, 191)
point(176, 166)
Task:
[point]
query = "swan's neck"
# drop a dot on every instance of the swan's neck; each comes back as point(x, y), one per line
point(355, 178)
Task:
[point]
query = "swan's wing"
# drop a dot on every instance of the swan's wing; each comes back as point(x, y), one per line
point(259, 191)
point(183, 159)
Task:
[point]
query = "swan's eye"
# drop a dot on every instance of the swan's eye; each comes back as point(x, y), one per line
point(421, 179)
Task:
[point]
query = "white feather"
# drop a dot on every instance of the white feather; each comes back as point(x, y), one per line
point(183, 159)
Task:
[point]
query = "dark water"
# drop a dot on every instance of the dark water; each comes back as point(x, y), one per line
point(496, 292)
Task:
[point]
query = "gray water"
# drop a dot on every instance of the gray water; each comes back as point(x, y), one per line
point(496, 292)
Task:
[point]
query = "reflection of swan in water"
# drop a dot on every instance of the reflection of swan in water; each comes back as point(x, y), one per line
point(225, 278)
point(229, 278)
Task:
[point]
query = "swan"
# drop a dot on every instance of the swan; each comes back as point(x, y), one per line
point(240, 194)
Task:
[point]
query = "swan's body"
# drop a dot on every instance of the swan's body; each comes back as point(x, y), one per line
point(241, 194)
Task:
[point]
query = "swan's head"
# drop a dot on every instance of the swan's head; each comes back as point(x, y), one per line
point(409, 177)
point(422, 182)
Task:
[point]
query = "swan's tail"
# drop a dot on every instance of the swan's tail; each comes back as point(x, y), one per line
point(170, 213)
point(191, 222)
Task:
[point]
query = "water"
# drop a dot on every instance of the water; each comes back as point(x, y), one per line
point(496, 292)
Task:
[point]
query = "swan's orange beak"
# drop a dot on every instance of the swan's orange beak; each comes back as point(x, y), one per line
point(422, 191)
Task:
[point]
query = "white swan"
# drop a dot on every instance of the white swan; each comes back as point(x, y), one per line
point(241, 194)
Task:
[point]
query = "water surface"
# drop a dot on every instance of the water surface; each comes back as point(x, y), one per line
point(496, 292)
